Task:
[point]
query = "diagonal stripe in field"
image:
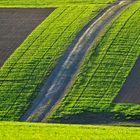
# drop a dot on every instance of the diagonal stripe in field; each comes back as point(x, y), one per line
point(15, 26)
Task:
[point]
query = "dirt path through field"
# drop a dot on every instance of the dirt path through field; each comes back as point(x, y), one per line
point(56, 85)
point(15, 26)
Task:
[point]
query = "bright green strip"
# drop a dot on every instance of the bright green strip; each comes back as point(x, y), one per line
point(50, 3)
point(105, 70)
point(24, 72)
point(29, 131)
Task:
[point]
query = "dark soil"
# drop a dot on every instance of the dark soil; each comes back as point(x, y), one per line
point(15, 26)
point(130, 92)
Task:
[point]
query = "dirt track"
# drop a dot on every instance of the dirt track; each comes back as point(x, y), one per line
point(15, 26)
point(54, 88)
point(130, 91)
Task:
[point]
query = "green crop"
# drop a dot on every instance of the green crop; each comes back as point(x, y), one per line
point(24, 72)
point(105, 70)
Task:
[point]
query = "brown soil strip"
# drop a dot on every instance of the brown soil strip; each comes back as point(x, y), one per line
point(130, 92)
point(15, 26)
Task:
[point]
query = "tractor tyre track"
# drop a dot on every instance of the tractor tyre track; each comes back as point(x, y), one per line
point(55, 86)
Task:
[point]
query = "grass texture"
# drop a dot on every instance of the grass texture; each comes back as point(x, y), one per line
point(24, 72)
point(29, 131)
point(105, 70)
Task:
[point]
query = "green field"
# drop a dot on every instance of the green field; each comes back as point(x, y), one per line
point(104, 71)
point(29, 131)
point(24, 72)
point(101, 75)
point(89, 97)
point(50, 3)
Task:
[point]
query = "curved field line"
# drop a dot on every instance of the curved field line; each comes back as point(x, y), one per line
point(59, 80)
point(20, 58)
point(41, 58)
point(34, 42)
point(104, 57)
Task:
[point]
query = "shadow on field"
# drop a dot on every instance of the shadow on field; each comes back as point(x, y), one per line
point(95, 118)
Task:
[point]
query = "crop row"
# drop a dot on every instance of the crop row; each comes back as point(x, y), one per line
point(24, 72)
point(50, 3)
point(36, 131)
point(105, 70)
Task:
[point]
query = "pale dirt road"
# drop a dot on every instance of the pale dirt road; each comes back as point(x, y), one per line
point(59, 80)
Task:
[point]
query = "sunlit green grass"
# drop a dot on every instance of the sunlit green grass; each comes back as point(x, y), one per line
point(50, 3)
point(29, 131)
point(24, 72)
point(105, 70)
point(101, 76)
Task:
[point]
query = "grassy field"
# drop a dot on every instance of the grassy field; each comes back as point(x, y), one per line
point(100, 77)
point(29, 131)
point(50, 3)
point(24, 72)
point(104, 71)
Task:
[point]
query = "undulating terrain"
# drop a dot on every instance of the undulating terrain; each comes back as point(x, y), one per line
point(23, 73)
point(70, 61)
point(104, 71)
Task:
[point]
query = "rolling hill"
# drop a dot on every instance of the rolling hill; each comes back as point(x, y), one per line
point(71, 62)
point(23, 73)
point(103, 73)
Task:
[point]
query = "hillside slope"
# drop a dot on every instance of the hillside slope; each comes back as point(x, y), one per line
point(102, 74)
point(24, 72)
point(54, 87)
point(29, 131)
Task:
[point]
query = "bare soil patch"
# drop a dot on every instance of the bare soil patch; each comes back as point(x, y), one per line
point(15, 26)
point(130, 92)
